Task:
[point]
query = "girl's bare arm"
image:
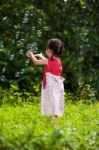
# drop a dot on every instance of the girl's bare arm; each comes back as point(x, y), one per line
point(40, 56)
point(43, 60)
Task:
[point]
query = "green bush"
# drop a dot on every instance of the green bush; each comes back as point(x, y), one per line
point(14, 95)
point(84, 93)
point(29, 26)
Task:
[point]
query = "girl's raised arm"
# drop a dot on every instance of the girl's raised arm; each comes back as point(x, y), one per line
point(43, 60)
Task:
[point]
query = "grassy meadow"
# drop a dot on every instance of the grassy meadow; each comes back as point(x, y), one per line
point(22, 127)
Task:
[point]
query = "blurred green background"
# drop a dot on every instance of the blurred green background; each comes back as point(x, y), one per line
point(28, 24)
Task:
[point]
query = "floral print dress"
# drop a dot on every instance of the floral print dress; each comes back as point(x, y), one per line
point(52, 91)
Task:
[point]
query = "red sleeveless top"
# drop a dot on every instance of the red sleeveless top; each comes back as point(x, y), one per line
point(54, 66)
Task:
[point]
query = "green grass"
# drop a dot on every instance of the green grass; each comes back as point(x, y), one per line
point(22, 127)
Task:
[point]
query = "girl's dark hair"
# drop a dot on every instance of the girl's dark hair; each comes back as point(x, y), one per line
point(56, 46)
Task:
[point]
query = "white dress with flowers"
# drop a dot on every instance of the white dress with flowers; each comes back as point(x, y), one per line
point(52, 97)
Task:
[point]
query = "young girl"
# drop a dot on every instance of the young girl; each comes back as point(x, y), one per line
point(52, 91)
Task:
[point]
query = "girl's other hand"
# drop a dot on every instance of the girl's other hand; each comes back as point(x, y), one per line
point(29, 54)
point(38, 55)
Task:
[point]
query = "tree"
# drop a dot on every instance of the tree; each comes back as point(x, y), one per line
point(28, 25)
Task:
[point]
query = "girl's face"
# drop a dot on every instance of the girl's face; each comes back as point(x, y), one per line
point(49, 53)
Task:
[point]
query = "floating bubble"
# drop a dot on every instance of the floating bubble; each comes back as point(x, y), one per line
point(35, 52)
point(20, 42)
point(8, 53)
point(3, 78)
point(39, 20)
point(4, 69)
point(31, 14)
point(1, 44)
point(17, 14)
point(17, 74)
point(26, 17)
point(33, 28)
point(25, 20)
point(17, 34)
point(27, 62)
point(22, 71)
point(13, 41)
point(11, 57)
point(21, 51)
point(46, 28)
point(4, 18)
point(39, 33)
point(32, 47)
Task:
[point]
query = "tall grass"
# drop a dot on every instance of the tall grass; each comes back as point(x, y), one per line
point(22, 127)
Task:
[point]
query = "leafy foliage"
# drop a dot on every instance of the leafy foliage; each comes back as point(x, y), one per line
point(26, 25)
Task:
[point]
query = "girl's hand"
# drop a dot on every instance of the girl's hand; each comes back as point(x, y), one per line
point(38, 55)
point(43, 60)
point(29, 54)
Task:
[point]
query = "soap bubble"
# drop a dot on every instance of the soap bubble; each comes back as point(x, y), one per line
point(3, 78)
point(27, 62)
point(32, 47)
point(26, 17)
point(65, 0)
point(1, 44)
point(17, 34)
point(4, 69)
point(39, 33)
point(11, 57)
point(20, 42)
point(39, 21)
point(17, 74)
point(21, 51)
point(33, 28)
point(22, 71)
point(4, 18)
point(46, 28)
